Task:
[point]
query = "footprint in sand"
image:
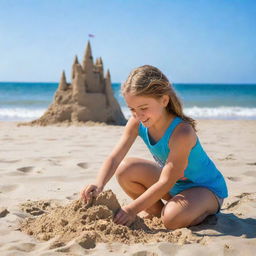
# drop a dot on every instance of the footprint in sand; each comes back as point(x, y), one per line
point(228, 157)
point(74, 196)
point(7, 139)
point(234, 178)
point(22, 247)
point(54, 162)
point(144, 253)
point(83, 165)
point(26, 169)
point(3, 212)
point(7, 188)
point(251, 163)
point(250, 173)
point(9, 161)
point(243, 198)
point(60, 158)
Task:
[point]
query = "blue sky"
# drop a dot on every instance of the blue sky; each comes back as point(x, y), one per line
point(190, 41)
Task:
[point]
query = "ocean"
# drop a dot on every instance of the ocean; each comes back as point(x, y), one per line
point(21, 101)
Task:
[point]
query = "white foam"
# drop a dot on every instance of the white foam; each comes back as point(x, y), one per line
point(221, 112)
point(26, 114)
point(213, 113)
point(20, 114)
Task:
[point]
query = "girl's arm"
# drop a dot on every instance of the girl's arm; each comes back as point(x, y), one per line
point(183, 139)
point(111, 163)
point(118, 153)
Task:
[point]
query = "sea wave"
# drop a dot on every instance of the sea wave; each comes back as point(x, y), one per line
point(28, 114)
point(221, 112)
point(20, 114)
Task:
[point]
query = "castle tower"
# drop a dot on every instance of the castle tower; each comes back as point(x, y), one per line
point(78, 84)
point(92, 79)
point(108, 88)
point(73, 67)
point(88, 59)
point(114, 111)
point(63, 82)
point(100, 73)
point(101, 68)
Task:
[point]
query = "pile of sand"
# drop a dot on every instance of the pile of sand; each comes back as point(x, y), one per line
point(93, 222)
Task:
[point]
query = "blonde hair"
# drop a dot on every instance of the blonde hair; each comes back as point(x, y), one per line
point(150, 81)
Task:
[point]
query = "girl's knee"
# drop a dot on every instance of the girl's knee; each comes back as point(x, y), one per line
point(173, 218)
point(174, 222)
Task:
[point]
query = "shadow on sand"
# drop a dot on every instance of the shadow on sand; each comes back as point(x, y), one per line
point(226, 224)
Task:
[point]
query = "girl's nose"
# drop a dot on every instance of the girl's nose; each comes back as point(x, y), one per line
point(137, 116)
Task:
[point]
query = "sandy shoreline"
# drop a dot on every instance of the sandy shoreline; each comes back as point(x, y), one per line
point(43, 163)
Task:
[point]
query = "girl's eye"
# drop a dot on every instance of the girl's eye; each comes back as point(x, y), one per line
point(143, 109)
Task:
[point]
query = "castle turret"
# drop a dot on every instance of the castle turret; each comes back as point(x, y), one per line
point(92, 77)
point(100, 65)
point(79, 84)
point(99, 68)
point(108, 77)
point(108, 88)
point(101, 62)
point(73, 66)
point(114, 111)
point(88, 59)
point(63, 82)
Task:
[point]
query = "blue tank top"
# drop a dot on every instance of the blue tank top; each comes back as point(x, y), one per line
point(200, 171)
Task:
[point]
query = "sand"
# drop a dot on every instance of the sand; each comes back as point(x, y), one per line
point(92, 223)
point(42, 170)
point(71, 221)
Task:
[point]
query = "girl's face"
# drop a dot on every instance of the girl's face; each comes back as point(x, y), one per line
point(146, 109)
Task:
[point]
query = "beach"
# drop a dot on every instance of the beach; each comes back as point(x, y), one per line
point(55, 162)
point(73, 72)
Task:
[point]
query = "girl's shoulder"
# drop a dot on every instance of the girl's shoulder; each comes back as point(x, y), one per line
point(185, 134)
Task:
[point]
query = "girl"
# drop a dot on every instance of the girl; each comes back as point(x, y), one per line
point(182, 174)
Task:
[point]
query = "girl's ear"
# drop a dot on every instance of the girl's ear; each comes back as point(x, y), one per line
point(165, 100)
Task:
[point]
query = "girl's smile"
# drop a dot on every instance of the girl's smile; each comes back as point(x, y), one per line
point(148, 110)
point(145, 120)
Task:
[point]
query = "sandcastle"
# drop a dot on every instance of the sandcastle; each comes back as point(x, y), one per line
point(89, 96)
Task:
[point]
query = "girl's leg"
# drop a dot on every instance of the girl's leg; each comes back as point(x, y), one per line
point(190, 207)
point(136, 175)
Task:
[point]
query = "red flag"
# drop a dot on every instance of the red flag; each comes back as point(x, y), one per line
point(91, 35)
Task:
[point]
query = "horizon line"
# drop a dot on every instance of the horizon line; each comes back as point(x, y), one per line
point(211, 83)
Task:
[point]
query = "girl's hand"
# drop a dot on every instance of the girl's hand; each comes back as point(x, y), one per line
point(125, 216)
point(90, 191)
